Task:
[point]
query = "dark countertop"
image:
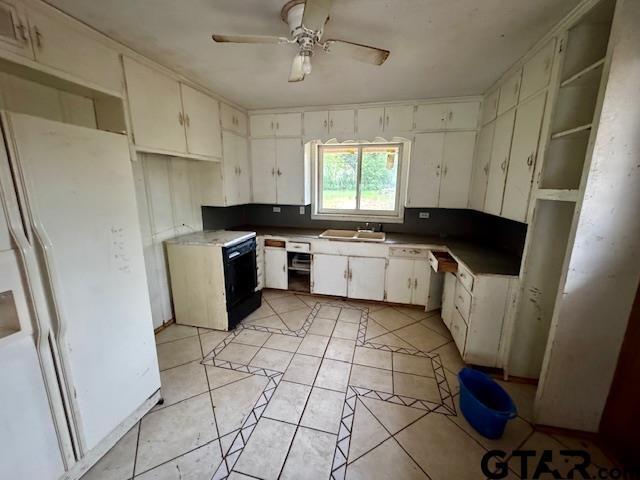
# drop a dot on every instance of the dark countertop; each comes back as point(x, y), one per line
point(478, 258)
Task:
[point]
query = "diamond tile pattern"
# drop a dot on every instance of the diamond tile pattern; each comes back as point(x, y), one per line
point(229, 414)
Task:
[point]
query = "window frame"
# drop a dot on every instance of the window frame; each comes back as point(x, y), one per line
point(357, 214)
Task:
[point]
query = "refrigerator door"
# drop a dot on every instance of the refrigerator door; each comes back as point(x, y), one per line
point(81, 204)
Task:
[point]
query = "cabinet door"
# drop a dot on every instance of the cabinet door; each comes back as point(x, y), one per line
point(457, 162)
point(230, 168)
point(366, 278)
point(524, 150)
point(431, 116)
point(537, 71)
point(509, 93)
point(288, 124)
point(463, 116)
point(316, 124)
point(61, 44)
point(263, 169)
point(490, 106)
point(14, 31)
point(370, 121)
point(155, 107)
point(262, 125)
point(275, 268)
point(481, 163)
point(202, 120)
point(244, 170)
point(290, 171)
point(399, 280)
point(398, 119)
point(232, 119)
point(448, 298)
point(342, 122)
point(421, 277)
point(329, 274)
point(241, 122)
point(424, 171)
point(499, 161)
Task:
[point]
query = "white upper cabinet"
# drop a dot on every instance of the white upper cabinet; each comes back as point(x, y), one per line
point(425, 169)
point(14, 29)
point(499, 162)
point(288, 125)
point(316, 124)
point(398, 118)
point(202, 122)
point(342, 122)
point(236, 168)
point(480, 175)
point(463, 116)
point(536, 72)
point(524, 150)
point(447, 116)
point(509, 93)
point(431, 116)
point(290, 171)
point(63, 45)
point(370, 121)
point(457, 163)
point(244, 170)
point(278, 125)
point(490, 107)
point(233, 119)
point(155, 108)
point(263, 169)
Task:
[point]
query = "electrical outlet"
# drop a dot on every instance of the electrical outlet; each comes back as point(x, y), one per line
point(276, 209)
point(424, 215)
point(301, 210)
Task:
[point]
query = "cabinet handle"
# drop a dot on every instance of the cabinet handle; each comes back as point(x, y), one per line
point(408, 283)
point(273, 172)
point(530, 159)
point(381, 120)
point(438, 171)
point(446, 169)
point(450, 115)
point(331, 123)
point(180, 118)
point(350, 274)
point(272, 125)
point(325, 124)
point(415, 283)
point(503, 165)
point(284, 268)
point(239, 171)
point(277, 125)
point(38, 35)
point(279, 172)
point(387, 120)
point(22, 32)
point(485, 169)
point(187, 120)
point(344, 275)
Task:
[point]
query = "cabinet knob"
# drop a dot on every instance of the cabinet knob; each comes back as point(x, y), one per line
point(503, 165)
point(22, 32)
point(38, 35)
point(530, 159)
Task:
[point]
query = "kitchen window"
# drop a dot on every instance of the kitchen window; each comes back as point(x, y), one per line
point(359, 180)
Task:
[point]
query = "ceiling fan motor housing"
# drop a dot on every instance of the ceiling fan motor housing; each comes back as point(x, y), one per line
point(292, 14)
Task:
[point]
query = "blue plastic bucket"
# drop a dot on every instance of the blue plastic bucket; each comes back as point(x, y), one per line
point(484, 403)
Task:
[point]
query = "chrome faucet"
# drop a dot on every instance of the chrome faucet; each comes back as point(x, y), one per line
point(369, 227)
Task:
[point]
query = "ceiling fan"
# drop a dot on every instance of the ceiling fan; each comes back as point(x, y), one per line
point(306, 20)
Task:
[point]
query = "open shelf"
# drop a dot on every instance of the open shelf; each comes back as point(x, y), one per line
point(589, 75)
point(9, 321)
point(557, 194)
point(564, 162)
point(582, 129)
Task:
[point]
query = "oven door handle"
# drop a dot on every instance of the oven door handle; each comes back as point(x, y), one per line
point(234, 255)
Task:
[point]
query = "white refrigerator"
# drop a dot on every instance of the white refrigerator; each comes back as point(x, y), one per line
point(68, 195)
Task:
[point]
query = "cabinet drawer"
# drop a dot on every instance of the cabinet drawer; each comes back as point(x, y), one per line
point(442, 262)
point(459, 331)
point(298, 247)
point(465, 277)
point(408, 252)
point(463, 302)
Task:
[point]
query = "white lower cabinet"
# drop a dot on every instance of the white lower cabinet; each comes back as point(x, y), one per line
point(275, 268)
point(408, 281)
point(448, 297)
point(329, 274)
point(352, 277)
point(366, 278)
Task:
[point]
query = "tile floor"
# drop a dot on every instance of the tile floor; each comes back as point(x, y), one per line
point(314, 388)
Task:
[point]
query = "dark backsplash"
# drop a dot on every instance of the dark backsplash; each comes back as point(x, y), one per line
point(454, 223)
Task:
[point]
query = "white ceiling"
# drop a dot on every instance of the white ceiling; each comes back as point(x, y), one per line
point(438, 48)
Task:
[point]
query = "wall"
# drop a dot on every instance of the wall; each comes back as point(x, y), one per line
point(167, 191)
point(604, 268)
point(462, 224)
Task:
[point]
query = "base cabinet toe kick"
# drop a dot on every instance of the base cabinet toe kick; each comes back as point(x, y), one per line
point(476, 307)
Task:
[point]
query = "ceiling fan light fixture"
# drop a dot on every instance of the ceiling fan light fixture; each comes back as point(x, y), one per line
point(306, 64)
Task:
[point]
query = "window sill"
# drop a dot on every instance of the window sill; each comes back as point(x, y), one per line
point(358, 218)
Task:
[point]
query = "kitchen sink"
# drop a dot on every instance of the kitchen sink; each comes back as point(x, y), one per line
point(354, 235)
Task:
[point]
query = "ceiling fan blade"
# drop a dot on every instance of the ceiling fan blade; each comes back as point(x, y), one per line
point(362, 53)
point(316, 13)
point(297, 74)
point(248, 39)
